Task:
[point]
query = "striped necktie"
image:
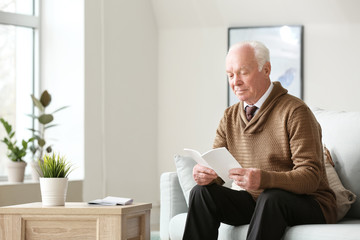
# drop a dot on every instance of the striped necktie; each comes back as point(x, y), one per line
point(250, 110)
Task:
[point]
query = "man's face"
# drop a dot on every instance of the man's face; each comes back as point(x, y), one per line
point(245, 80)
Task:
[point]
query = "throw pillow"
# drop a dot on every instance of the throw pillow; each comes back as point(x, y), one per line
point(344, 197)
point(184, 168)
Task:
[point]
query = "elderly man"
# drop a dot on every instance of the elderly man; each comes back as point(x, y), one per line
point(277, 140)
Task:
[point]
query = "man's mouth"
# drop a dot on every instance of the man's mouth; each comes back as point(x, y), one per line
point(237, 90)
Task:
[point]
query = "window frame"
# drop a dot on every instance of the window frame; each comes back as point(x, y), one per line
point(27, 21)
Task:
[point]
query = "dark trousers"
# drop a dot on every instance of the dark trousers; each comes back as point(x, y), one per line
point(268, 217)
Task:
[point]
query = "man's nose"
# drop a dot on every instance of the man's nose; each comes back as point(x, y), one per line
point(237, 79)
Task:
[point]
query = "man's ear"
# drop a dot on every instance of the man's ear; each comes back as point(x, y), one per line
point(267, 68)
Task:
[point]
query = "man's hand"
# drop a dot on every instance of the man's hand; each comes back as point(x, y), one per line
point(247, 178)
point(203, 175)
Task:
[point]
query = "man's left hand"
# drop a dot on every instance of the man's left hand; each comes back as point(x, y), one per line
point(246, 178)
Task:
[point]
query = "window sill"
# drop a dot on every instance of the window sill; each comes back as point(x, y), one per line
point(6, 183)
point(27, 180)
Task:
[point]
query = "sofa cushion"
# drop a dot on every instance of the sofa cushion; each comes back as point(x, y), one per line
point(344, 197)
point(344, 230)
point(177, 226)
point(227, 232)
point(172, 201)
point(341, 131)
point(184, 168)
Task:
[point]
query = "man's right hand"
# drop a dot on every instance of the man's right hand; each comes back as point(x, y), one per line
point(203, 175)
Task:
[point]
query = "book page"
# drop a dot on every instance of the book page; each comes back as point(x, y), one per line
point(197, 157)
point(221, 160)
point(112, 201)
point(118, 200)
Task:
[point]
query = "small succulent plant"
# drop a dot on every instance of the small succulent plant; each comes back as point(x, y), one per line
point(55, 166)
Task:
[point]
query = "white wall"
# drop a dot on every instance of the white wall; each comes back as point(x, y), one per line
point(121, 94)
point(192, 90)
point(192, 48)
point(62, 74)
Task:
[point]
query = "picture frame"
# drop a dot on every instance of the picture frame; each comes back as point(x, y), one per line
point(285, 43)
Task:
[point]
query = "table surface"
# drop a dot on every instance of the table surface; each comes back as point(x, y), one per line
point(72, 208)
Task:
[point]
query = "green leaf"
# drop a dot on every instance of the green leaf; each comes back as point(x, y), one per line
point(45, 98)
point(22, 153)
point(6, 141)
point(32, 115)
point(33, 149)
point(49, 149)
point(6, 125)
point(24, 144)
point(11, 135)
point(50, 126)
point(34, 130)
point(37, 137)
point(41, 142)
point(46, 118)
point(59, 109)
point(55, 166)
point(37, 103)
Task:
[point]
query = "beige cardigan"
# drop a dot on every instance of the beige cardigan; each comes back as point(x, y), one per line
point(284, 141)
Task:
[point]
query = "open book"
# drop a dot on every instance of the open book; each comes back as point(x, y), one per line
point(218, 159)
point(112, 201)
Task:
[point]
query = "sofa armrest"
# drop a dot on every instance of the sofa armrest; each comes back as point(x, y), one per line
point(172, 201)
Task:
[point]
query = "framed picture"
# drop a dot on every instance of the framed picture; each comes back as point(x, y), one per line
point(286, 54)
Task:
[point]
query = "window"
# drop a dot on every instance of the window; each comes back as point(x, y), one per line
point(19, 46)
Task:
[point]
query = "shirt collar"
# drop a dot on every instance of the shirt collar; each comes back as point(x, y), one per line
point(260, 102)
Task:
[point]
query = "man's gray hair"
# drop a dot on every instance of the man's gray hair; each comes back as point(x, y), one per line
point(262, 53)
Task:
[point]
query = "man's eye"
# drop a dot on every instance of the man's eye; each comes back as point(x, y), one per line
point(231, 76)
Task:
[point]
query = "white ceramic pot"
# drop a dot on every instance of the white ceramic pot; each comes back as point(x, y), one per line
point(53, 191)
point(35, 171)
point(16, 171)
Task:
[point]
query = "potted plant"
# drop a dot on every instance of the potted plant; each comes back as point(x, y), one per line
point(44, 119)
point(53, 185)
point(16, 165)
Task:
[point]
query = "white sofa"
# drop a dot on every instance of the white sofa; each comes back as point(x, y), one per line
point(341, 135)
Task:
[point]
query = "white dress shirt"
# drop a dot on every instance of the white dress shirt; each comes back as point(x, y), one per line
point(261, 101)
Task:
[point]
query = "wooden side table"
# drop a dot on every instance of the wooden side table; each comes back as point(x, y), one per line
point(74, 221)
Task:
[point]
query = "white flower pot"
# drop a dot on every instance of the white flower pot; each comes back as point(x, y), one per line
point(16, 171)
point(53, 191)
